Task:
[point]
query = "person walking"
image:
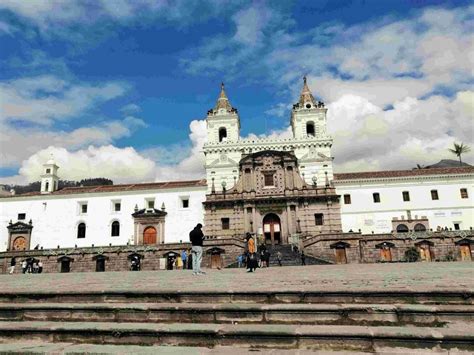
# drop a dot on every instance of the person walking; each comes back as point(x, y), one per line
point(12, 265)
point(184, 258)
point(252, 262)
point(303, 258)
point(267, 257)
point(24, 266)
point(196, 237)
point(279, 258)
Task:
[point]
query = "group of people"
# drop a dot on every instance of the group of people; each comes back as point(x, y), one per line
point(28, 266)
point(180, 261)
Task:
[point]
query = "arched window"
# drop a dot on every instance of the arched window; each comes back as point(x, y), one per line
point(115, 229)
point(222, 134)
point(401, 228)
point(419, 227)
point(310, 129)
point(81, 230)
point(46, 187)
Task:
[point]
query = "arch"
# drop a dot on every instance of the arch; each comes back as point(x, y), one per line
point(19, 243)
point(81, 230)
point(149, 235)
point(272, 229)
point(46, 186)
point(115, 229)
point(310, 131)
point(402, 228)
point(419, 228)
point(222, 134)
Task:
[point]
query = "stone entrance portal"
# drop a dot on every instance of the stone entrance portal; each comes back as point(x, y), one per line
point(272, 229)
point(149, 226)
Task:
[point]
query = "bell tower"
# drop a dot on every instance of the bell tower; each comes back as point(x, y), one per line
point(223, 122)
point(222, 149)
point(50, 178)
point(308, 116)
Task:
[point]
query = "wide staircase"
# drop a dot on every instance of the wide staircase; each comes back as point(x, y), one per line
point(384, 321)
point(291, 257)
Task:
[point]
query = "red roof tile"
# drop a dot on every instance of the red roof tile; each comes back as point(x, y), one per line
point(123, 187)
point(403, 173)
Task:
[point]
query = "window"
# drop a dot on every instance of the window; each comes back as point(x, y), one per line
point(268, 179)
point(184, 202)
point(84, 208)
point(457, 226)
point(434, 195)
point(401, 228)
point(319, 219)
point(419, 228)
point(21, 216)
point(48, 171)
point(81, 230)
point(225, 223)
point(464, 193)
point(406, 196)
point(310, 129)
point(115, 229)
point(376, 197)
point(347, 199)
point(117, 206)
point(150, 203)
point(222, 134)
point(47, 186)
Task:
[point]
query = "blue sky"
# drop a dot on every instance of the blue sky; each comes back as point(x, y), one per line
point(133, 80)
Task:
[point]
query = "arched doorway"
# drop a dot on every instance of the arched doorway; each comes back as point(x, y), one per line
point(149, 235)
point(19, 243)
point(272, 229)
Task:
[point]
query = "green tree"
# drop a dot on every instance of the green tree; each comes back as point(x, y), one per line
point(460, 149)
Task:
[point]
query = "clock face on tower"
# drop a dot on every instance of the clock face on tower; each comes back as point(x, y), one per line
point(19, 243)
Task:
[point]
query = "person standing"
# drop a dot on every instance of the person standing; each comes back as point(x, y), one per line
point(184, 259)
point(252, 262)
point(239, 260)
point(40, 267)
point(12, 265)
point(279, 258)
point(196, 237)
point(24, 266)
point(303, 258)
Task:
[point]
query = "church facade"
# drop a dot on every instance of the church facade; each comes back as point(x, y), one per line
point(282, 190)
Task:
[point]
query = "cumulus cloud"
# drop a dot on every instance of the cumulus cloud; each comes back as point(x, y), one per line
point(44, 99)
point(18, 145)
point(118, 164)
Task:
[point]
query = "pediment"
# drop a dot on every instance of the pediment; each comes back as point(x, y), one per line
point(19, 227)
point(148, 213)
point(315, 156)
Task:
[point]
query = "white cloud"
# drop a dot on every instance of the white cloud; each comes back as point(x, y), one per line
point(44, 99)
point(131, 109)
point(18, 145)
point(118, 164)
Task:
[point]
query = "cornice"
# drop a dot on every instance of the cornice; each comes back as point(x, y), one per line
point(401, 179)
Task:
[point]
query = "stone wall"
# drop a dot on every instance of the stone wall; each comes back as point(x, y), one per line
point(365, 248)
point(117, 257)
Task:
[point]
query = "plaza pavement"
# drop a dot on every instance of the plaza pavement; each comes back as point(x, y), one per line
point(446, 276)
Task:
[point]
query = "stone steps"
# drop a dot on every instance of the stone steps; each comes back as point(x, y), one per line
point(360, 296)
point(335, 314)
point(361, 338)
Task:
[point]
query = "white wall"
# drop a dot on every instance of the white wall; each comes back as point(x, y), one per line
point(55, 217)
point(368, 216)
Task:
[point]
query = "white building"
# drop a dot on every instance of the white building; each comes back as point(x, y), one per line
point(154, 213)
point(371, 200)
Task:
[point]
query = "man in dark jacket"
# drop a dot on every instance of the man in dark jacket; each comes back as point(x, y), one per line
point(196, 236)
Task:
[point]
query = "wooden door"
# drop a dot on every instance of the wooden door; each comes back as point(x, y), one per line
point(465, 252)
point(341, 256)
point(425, 253)
point(65, 266)
point(386, 254)
point(149, 235)
point(19, 243)
point(272, 229)
point(216, 261)
point(100, 265)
